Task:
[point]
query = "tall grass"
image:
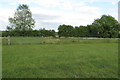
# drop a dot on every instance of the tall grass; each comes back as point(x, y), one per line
point(40, 40)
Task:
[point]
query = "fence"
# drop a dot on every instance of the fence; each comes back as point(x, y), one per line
point(6, 40)
point(43, 40)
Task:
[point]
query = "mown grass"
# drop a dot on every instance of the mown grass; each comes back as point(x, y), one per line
point(65, 60)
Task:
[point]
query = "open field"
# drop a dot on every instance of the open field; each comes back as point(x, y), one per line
point(60, 58)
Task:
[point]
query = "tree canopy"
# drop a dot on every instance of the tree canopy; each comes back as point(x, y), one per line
point(22, 20)
point(65, 30)
point(104, 27)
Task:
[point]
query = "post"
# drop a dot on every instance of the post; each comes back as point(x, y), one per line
point(8, 40)
point(119, 11)
point(118, 41)
point(119, 17)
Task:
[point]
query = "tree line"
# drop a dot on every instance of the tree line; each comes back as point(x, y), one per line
point(22, 24)
point(105, 27)
point(29, 33)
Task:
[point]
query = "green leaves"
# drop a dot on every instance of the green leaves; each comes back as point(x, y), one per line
point(66, 30)
point(22, 6)
point(22, 20)
point(107, 26)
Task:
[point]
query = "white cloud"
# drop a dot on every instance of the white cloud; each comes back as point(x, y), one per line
point(4, 15)
point(113, 2)
point(88, 9)
point(70, 12)
point(17, 2)
point(61, 4)
point(93, 1)
point(47, 3)
point(56, 12)
point(75, 18)
point(115, 15)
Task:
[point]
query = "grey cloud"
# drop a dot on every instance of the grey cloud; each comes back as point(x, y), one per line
point(3, 25)
point(40, 23)
point(47, 25)
point(45, 17)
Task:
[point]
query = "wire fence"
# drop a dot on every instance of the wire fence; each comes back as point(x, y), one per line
point(50, 40)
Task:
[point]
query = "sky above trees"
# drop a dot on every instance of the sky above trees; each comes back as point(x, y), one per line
point(50, 14)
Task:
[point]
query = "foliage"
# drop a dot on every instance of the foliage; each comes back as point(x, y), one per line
point(46, 33)
point(105, 27)
point(81, 31)
point(22, 20)
point(34, 33)
point(66, 31)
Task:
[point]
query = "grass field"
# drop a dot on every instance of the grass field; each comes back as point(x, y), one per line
point(60, 58)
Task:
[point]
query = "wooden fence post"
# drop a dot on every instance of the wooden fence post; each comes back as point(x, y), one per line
point(8, 40)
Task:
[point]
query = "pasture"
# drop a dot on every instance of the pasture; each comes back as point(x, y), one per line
point(29, 57)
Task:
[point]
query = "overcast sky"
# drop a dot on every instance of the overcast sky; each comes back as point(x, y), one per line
point(50, 14)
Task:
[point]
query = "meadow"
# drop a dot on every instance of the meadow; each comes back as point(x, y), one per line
point(29, 57)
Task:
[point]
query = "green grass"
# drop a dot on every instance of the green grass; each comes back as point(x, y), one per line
point(87, 59)
point(39, 40)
